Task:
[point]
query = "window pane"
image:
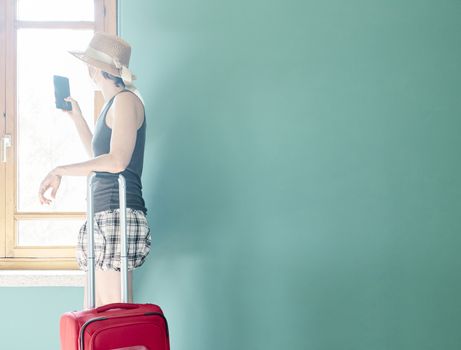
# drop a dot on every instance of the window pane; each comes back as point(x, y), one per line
point(48, 232)
point(46, 136)
point(55, 10)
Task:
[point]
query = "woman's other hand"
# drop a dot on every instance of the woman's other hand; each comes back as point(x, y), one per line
point(52, 181)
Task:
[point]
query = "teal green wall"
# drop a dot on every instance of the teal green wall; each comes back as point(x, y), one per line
point(29, 317)
point(303, 172)
point(302, 176)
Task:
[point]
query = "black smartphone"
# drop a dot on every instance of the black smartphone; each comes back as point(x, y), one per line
point(61, 91)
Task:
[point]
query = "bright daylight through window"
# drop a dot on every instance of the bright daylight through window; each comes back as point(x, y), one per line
point(37, 37)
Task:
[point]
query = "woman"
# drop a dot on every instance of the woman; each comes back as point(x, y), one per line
point(117, 147)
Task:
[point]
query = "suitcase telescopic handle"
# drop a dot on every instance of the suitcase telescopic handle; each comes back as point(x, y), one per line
point(123, 241)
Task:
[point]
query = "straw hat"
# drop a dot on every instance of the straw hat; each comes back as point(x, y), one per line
point(109, 53)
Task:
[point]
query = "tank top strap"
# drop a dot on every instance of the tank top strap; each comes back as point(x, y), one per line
point(109, 104)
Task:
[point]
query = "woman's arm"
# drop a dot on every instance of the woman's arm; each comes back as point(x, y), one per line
point(104, 163)
point(82, 127)
point(123, 140)
point(85, 135)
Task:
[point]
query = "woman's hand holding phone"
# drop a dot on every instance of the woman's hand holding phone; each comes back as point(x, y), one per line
point(76, 112)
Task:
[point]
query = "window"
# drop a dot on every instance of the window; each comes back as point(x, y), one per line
point(35, 137)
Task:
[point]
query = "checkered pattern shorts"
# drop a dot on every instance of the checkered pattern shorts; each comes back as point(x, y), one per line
point(107, 240)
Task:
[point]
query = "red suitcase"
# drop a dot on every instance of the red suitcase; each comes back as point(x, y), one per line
point(115, 326)
point(119, 326)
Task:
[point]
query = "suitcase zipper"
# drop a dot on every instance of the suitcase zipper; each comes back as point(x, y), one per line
point(82, 330)
point(164, 319)
point(87, 323)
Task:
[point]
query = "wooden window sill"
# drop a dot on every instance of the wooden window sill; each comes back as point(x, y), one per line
point(41, 278)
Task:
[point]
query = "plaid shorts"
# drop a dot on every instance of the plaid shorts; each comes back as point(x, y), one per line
point(107, 240)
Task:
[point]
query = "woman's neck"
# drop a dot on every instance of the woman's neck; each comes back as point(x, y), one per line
point(110, 90)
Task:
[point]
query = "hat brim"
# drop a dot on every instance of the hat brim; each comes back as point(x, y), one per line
point(96, 63)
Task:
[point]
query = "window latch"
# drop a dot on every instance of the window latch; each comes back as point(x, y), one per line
point(6, 143)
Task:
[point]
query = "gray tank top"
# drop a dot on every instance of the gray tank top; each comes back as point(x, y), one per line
point(106, 184)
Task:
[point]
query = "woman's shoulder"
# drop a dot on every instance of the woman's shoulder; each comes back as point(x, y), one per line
point(127, 102)
point(129, 97)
